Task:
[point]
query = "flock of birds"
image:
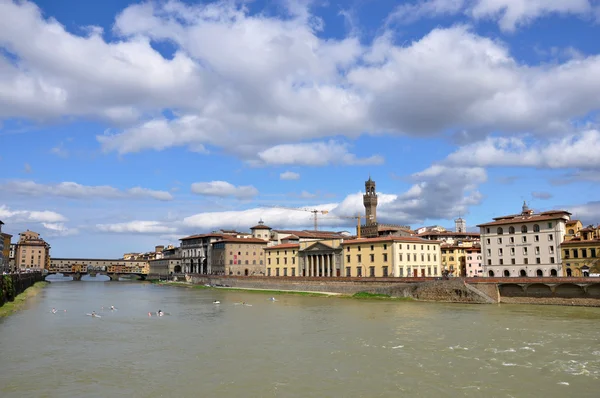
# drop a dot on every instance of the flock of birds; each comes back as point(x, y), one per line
point(93, 314)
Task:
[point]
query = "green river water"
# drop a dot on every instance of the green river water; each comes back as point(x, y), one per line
point(294, 347)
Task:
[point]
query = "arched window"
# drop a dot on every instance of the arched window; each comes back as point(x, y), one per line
point(569, 272)
point(506, 272)
point(511, 230)
point(539, 272)
point(571, 232)
point(553, 272)
point(536, 228)
point(500, 231)
point(524, 229)
point(491, 273)
point(522, 273)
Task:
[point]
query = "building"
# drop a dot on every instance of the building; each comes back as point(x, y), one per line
point(281, 236)
point(457, 236)
point(261, 231)
point(4, 250)
point(282, 260)
point(196, 253)
point(12, 262)
point(321, 258)
point(474, 262)
point(371, 228)
point(581, 251)
point(238, 256)
point(524, 244)
point(391, 256)
point(164, 267)
point(454, 257)
point(32, 252)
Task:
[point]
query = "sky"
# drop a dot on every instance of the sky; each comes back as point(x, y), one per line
point(125, 125)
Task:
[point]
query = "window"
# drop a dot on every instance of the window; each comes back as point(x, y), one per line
point(400, 256)
point(293, 260)
point(358, 248)
point(372, 256)
point(584, 253)
point(488, 241)
point(512, 261)
point(372, 247)
point(511, 230)
point(525, 251)
point(549, 225)
point(358, 258)
point(500, 240)
point(500, 231)
point(348, 273)
point(400, 246)
point(348, 258)
point(538, 260)
point(261, 262)
point(347, 248)
point(277, 271)
point(551, 237)
point(593, 253)
point(435, 257)
point(422, 257)
point(415, 257)
point(536, 238)
point(489, 262)
point(525, 261)
point(511, 239)
point(428, 257)
point(536, 228)
point(500, 252)
point(428, 271)
point(501, 262)
point(551, 248)
point(285, 260)
point(551, 260)
point(408, 273)
point(524, 229)
point(487, 230)
point(358, 271)
point(268, 271)
point(489, 252)
point(566, 253)
point(293, 271)
point(277, 261)
point(372, 272)
point(575, 253)
point(401, 271)
point(385, 257)
point(537, 250)
point(414, 247)
point(269, 261)
point(524, 239)
point(385, 271)
point(285, 272)
point(512, 251)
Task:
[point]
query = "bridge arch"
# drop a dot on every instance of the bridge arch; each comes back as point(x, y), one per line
point(569, 290)
point(594, 290)
point(539, 290)
point(511, 290)
point(177, 269)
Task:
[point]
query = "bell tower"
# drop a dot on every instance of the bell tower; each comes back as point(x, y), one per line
point(370, 202)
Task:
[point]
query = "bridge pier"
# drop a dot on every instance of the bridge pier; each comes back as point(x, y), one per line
point(76, 276)
point(113, 276)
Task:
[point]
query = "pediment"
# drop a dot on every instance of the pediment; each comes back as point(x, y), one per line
point(318, 247)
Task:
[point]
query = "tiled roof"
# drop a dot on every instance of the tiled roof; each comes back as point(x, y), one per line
point(525, 218)
point(284, 246)
point(579, 241)
point(211, 235)
point(242, 240)
point(448, 233)
point(260, 226)
point(391, 238)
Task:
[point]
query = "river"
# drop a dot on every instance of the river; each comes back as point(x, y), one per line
point(294, 347)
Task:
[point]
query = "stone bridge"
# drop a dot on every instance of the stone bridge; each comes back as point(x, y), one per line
point(114, 269)
point(543, 287)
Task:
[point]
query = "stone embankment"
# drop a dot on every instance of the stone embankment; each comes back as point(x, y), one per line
point(426, 289)
point(12, 285)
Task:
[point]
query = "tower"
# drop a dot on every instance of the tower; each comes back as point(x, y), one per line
point(370, 202)
point(460, 225)
point(525, 208)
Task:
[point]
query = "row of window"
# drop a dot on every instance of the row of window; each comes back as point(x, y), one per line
point(536, 238)
point(525, 261)
point(285, 252)
point(399, 246)
point(285, 272)
point(285, 261)
point(584, 253)
point(246, 262)
point(524, 229)
point(525, 251)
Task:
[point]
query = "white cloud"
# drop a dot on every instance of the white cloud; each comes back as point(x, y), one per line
point(137, 227)
point(509, 14)
point(224, 189)
point(314, 154)
point(29, 216)
point(60, 151)
point(542, 195)
point(289, 175)
point(588, 213)
point(570, 151)
point(59, 229)
point(74, 190)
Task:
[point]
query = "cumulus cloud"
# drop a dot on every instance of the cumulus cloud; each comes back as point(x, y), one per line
point(137, 227)
point(74, 190)
point(289, 175)
point(314, 154)
point(224, 189)
point(59, 229)
point(29, 216)
point(509, 14)
point(569, 151)
point(588, 213)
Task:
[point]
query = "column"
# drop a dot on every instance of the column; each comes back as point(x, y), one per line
point(310, 265)
point(327, 272)
point(321, 266)
point(332, 265)
point(307, 265)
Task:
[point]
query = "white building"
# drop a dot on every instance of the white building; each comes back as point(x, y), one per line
point(525, 244)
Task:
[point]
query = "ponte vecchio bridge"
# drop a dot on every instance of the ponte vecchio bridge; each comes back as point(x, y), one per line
point(114, 269)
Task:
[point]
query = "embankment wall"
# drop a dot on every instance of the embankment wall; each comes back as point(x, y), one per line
point(13, 284)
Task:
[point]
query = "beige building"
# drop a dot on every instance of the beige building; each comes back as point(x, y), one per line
point(391, 256)
point(282, 260)
point(164, 267)
point(524, 244)
point(32, 252)
point(238, 256)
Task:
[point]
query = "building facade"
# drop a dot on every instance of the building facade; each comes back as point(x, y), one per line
point(474, 262)
point(581, 251)
point(4, 250)
point(32, 252)
point(196, 253)
point(371, 228)
point(238, 256)
point(165, 267)
point(282, 260)
point(322, 258)
point(525, 244)
point(391, 256)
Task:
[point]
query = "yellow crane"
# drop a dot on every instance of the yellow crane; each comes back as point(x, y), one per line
point(357, 218)
point(315, 212)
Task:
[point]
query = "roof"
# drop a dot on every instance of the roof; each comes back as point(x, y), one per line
point(526, 218)
point(390, 238)
point(448, 233)
point(260, 226)
point(284, 246)
point(211, 235)
point(572, 222)
point(290, 237)
point(579, 241)
point(242, 240)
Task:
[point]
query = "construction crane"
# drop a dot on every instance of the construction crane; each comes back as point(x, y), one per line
point(357, 218)
point(315, 212)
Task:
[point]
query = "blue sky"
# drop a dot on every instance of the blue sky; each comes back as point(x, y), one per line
point(127, 125)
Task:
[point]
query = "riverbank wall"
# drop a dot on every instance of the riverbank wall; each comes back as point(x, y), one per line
point(14, 284)
point(425, 289)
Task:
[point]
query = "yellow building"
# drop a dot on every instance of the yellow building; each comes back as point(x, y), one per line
point(5, 246)
point(581, 252)
point(454, 257)
point(391, 256)
point(572, 228)
point(282, 260)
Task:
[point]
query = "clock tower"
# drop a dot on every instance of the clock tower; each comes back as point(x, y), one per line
point(370, 202)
